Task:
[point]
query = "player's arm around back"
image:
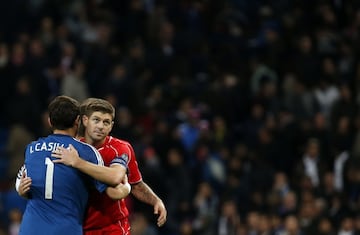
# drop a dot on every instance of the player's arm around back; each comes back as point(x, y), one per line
point(120, 191)
point(113, 175)
point(23, 183)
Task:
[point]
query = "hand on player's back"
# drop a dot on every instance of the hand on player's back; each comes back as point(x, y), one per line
point(24, 186)
point(68, 156)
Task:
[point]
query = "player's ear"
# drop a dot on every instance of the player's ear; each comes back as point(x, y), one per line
point(48, 119)
point(84, 120)
point(77, 121)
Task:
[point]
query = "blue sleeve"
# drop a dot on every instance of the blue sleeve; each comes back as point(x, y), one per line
point(92, 155)
point(100, 186)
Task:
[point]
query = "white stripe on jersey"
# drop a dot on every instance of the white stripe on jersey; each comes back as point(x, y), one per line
point(98, 156)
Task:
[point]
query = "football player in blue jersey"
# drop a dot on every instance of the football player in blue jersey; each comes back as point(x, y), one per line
point(58, 193)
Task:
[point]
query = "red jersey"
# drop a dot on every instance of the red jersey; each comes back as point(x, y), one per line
point(102, 210)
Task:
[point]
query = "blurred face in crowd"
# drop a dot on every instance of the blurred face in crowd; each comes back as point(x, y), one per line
point(290, 201)
point(229, 209)
point(313, 149)
point(291, 224)
point(98, 126)
point(305, 44)
point(325, 226)
point(264, 223)
point(253, 219)
point(347, 224)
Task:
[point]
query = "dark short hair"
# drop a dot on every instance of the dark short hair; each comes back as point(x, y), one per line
point(63, 112)
point(91, 105)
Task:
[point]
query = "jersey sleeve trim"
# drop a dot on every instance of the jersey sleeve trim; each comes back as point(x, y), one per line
point(18, 177)
point(97, 154)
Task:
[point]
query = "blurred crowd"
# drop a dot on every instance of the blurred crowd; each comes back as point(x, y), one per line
point(244, 115)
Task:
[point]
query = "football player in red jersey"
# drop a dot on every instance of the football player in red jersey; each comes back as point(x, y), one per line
point(105, 215)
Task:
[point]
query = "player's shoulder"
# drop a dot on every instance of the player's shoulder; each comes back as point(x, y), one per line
point(78, 144)
point(87, 151)
point(119, 145)
point(116, 141)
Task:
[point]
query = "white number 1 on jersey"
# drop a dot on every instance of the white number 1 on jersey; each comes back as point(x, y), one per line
point(49, 178)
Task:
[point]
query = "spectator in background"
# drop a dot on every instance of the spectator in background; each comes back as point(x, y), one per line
point(264, 225)
point(321, 131)
point(289, 204)
point(306, 60)
point(261, 74)
point(7, 84)
point(298, 99)
point(291, 226)
point(229, 220)
point(253, 124)
point(18, 139)
point(15, 216)
point(311, 164)
point(308, 215)
point(118, 84)
point(343, 116)
point(205, 204)
point(179, 205)
point(327, 188)
point(347, 226)
point(325, 227)
point(337, 210)
point(37, 60)
point(356, 83)
point(281, 185)
point(74, 82)
point(342, 137)
point(222, 133)
point(355, 151)
point(189, 132)
point(17, 60)
point(141, 226)
point(123, 124)
point(340, 169)
point(252, 222)
point(23, 96)
point(344, 105)
point(186, 228)
point(326, 93)
point(22, 123)
point(53, 75)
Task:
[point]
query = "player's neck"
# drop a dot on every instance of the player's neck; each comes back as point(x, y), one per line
point(95, 143)
point(69, 132)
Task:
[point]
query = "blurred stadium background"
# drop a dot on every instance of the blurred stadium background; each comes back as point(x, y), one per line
point(244, 115)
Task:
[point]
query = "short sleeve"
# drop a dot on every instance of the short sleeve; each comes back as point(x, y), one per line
point(133, 168)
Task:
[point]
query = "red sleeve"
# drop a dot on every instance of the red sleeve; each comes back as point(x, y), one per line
point(134, 172)
point(123, 149)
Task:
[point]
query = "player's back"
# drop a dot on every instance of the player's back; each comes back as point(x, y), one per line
point(59, 193)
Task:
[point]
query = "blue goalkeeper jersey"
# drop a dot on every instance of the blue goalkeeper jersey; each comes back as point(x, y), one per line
point(59, 193)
